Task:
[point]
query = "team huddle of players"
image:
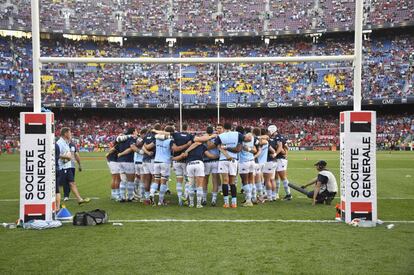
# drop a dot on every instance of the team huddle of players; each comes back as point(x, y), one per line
point(140, 164)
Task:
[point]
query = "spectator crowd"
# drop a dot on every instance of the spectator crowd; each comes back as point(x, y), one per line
point(201, 16)
point(95, 133)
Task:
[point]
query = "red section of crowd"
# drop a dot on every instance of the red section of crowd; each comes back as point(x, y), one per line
point(94, 133)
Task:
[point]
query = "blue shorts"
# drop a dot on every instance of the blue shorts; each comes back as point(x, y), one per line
point(65, 176)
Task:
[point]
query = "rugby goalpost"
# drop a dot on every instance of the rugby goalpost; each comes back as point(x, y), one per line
point(358, 174)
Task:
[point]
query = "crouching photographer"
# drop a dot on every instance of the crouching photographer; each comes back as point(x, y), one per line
point(325, 185)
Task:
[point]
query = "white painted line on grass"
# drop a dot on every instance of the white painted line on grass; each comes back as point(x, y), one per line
point(236, 221)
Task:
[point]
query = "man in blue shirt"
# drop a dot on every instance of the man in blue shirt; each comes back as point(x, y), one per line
point(126, 165)
point(65, 157)
point(211, 166)
point(194, 156)
point(183, 140)
point(112, 160)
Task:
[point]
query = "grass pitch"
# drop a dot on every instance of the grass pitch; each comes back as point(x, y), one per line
point(216, 248)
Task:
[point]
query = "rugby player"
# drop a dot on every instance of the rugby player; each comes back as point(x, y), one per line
point(230, 144)
point(148, 161)
point(126, 151)
point(211, 166)
point(182, 140)
point(112, 160)
point(281, 165)
point(247, 166)
point(65, 157)
point(139, 192)
point(260, 160)
point(194, 156)
point(162, 163)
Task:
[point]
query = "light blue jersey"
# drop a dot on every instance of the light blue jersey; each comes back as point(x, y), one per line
point(262, 158)
point(229, 140)
point(64, 149)
point(138, 157)
point(163, 150)
point(213, 151)
point(244, 155)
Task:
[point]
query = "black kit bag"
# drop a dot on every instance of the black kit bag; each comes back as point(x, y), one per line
point(93, 217)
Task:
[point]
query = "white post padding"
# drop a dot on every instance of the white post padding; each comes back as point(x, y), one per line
point(37, 166)
point(358, 165)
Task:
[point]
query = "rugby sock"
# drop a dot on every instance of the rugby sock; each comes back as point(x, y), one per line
point(142, 189)
point(122, 189)
point(247, 192)
point(286, 186)
point(214, 197)
point(191, 194)
point(277, 186)
point(259, 188)
point(233, 200)
point(200, 194)
point(130, 189)
point(205, 192)
point(274, 194)
point(187, 189)
point(153, 188)
point(225, 188)
point(254, 191)
point(147, 195)
point(179, 188)
point(233, 190)
point(269, 194)
point(163, 189)
point(117, 193)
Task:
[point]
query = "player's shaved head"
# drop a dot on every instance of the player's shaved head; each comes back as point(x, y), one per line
point(263, 131)
point(185, 126)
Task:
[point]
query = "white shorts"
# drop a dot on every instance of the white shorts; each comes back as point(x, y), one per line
point(148, 167)
point(113, 167)
point(211, 167)
point(269, 167)
point(195, 169)
point(258, 168)
point(179, 168)
point(139, 169)
point(228, 167)
point(127, 168)
point(162, 169)
point(281, 165)
point(246, 167)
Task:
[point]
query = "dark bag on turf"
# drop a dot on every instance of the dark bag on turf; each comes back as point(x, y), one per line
point(93, 217)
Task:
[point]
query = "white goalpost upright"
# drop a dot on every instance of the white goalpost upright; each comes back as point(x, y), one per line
point(353, 147)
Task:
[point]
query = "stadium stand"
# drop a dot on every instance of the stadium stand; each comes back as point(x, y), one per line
point(386, 72)
point(200, 16)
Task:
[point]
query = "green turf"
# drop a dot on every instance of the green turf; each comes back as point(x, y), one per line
point(232, 248)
